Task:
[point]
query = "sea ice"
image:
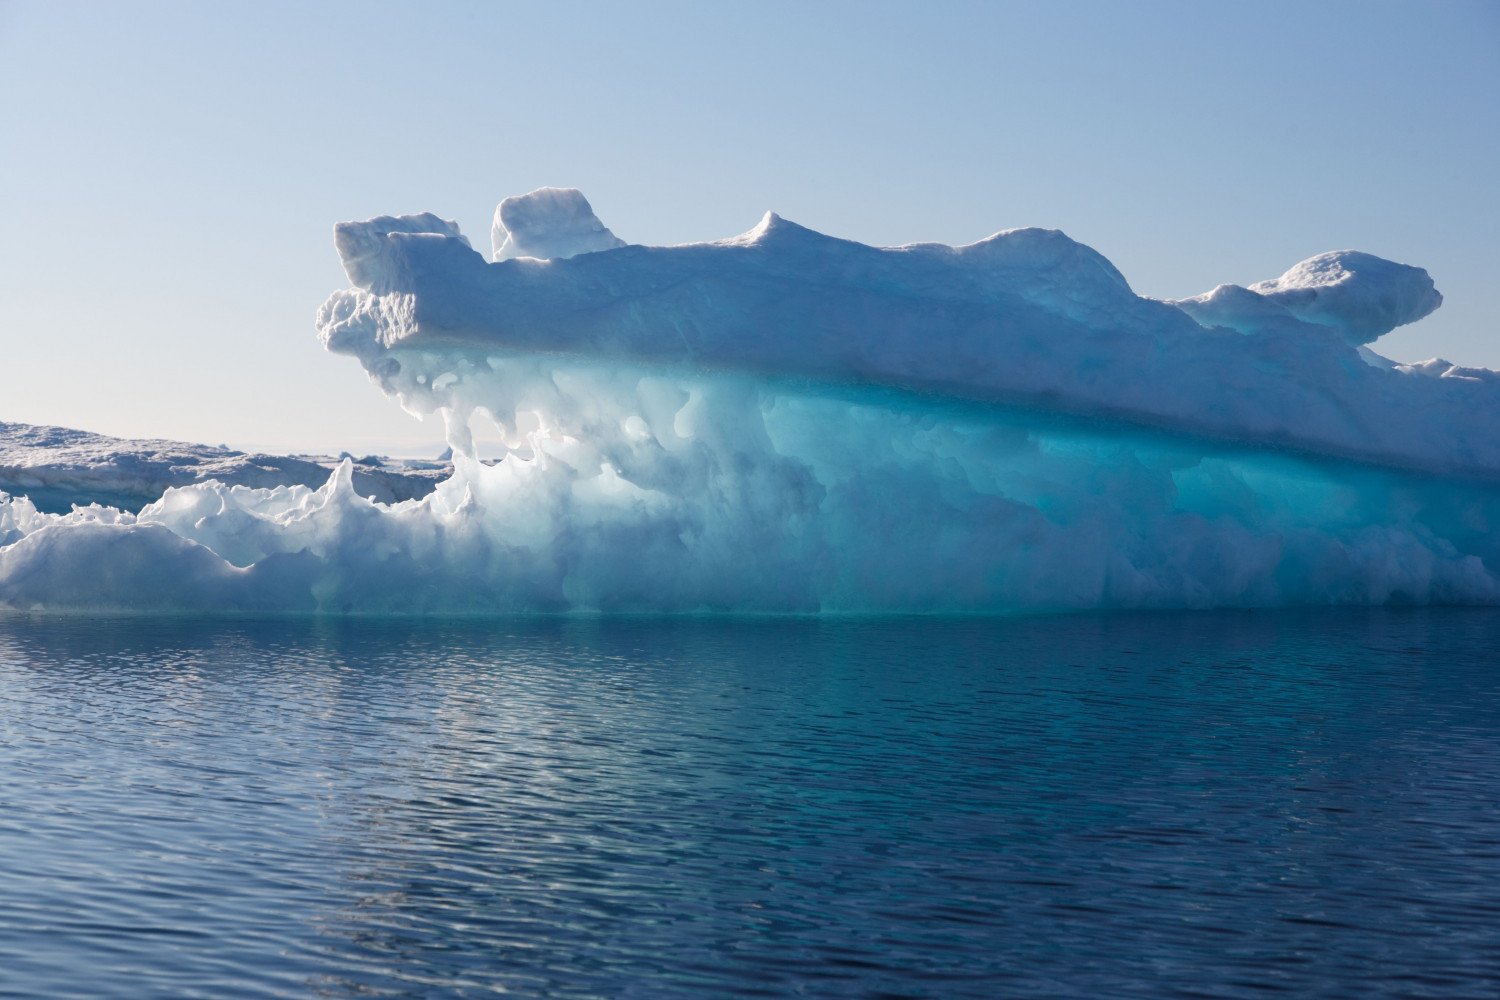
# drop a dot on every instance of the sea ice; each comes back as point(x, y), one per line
point(58, 467)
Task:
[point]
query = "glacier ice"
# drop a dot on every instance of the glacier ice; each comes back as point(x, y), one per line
point(785, 421)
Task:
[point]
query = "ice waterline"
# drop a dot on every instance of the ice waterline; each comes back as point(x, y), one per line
point(648, 458)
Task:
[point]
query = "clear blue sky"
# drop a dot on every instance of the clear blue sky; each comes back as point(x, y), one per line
point(172, 171)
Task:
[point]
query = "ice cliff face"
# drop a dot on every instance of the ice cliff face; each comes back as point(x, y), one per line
point(787, 421)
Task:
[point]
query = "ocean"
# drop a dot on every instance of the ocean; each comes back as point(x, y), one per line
point(1211, 804)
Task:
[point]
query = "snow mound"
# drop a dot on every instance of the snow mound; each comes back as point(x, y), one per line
point(366, 251)
point(1361, 296)
point(548, 223)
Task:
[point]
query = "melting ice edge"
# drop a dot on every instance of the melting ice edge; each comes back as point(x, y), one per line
point(784, 421)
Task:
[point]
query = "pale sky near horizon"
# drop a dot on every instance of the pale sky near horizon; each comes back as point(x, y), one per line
point(172, 171)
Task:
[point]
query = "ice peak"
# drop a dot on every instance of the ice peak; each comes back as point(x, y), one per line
point(773, 227)
point(768, 222)
point(549, 223)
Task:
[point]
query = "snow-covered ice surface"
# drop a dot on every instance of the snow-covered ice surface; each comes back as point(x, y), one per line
point(57, 468)
point(548, 223)
point(788, 421)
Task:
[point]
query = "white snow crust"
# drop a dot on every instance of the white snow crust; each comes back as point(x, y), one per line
point(785, 421)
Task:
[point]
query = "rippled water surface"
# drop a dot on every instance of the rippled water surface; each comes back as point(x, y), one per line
point(1214, 805)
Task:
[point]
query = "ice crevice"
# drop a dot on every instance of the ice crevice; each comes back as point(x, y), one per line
point(786, 421)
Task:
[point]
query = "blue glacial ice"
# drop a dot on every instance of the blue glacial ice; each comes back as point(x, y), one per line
point(785, 421)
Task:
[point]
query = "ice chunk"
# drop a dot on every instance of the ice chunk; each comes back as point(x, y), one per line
point(370, 256)
point(1443, 368)
point(1359, 295)
point(550, 223)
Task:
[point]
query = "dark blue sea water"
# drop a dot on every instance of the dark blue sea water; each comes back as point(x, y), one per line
point(1197, 805)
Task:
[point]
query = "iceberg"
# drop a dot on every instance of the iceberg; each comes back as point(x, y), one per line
point(784, 421)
